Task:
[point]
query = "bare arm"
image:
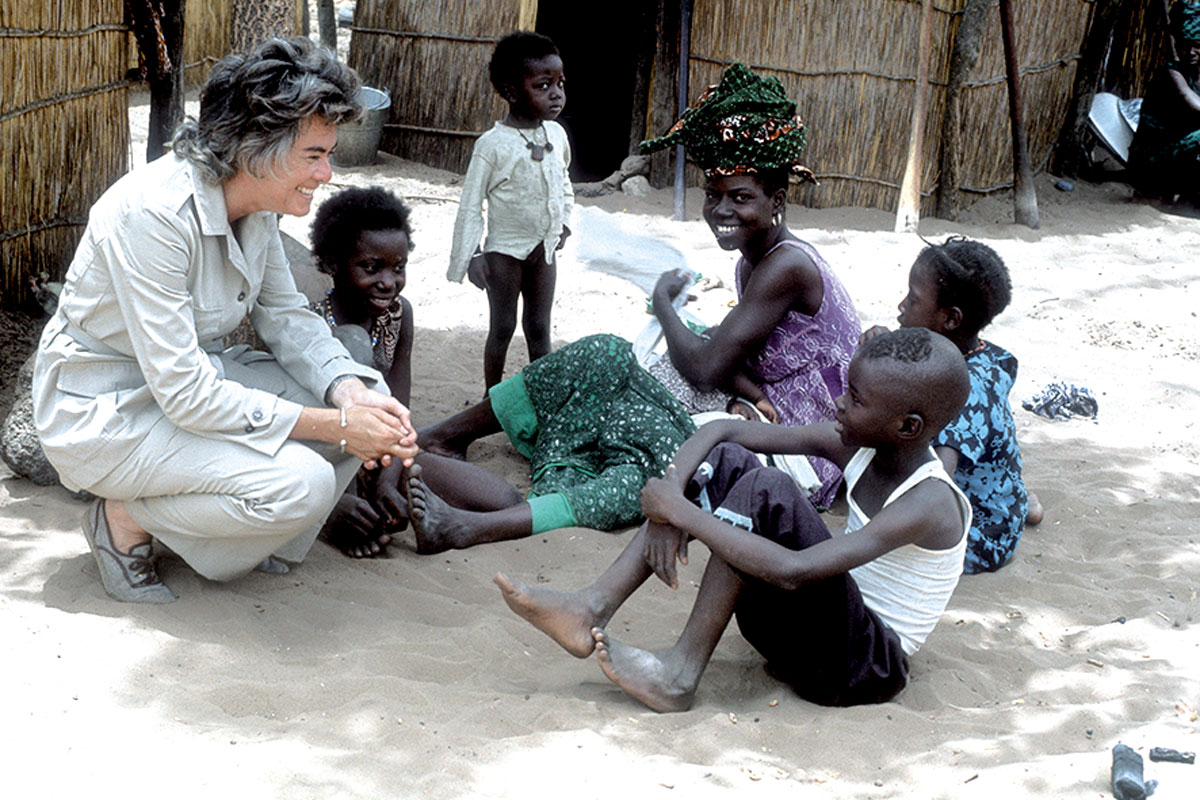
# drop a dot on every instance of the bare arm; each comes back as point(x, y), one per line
point(667, 542)
point(1188, 97)
point(784, 280)
point(399, 377)
point(949, 458)
point(928, 510)
point(819, 439)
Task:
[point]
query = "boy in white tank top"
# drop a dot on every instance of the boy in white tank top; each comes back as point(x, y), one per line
point(835, 616)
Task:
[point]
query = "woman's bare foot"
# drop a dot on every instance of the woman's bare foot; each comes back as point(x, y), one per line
point(437, 526)
point(643, 675)
point(565, 617)
point(1036, 512)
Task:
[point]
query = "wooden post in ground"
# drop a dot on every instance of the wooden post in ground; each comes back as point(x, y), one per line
point(327, 24)
point(1025, 210)
point(685, 65)
point(164, 76)
point(908, 208)
point(968, 40)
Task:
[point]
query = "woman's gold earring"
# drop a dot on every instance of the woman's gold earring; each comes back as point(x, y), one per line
point(776, 219)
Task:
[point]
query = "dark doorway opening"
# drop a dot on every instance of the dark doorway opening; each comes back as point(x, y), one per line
point(607, 49)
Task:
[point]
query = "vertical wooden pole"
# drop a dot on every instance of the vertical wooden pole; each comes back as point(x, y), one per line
point(908, 209)
point(327, 24)
point(685, 49)
point(166, 84)
point(1025, 210)
point(968, 40)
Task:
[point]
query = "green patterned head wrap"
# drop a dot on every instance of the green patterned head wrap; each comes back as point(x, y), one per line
point(1185, 21)
point(743, 125)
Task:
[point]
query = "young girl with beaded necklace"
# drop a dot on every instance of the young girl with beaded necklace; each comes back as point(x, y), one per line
point(362, 237)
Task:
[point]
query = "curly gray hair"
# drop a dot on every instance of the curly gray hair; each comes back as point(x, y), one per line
point(252, 107)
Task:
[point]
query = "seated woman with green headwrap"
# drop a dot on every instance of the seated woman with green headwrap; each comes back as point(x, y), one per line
point(596, 426)
point(1165, 155)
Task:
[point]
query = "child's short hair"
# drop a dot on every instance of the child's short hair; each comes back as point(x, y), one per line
point(933, 380)
point(342, 219)
point(507, 67)
point(971, 276)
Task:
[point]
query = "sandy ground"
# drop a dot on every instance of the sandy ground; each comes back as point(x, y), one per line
point(409, 677)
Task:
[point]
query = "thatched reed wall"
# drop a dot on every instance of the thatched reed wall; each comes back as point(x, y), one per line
point(207, 30)
point(208, 33)
point(1140, 44)
point(64, 129)
point(852, 69)
point(432, 58)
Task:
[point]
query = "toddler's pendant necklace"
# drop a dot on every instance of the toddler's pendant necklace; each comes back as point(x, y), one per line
point(537, 151)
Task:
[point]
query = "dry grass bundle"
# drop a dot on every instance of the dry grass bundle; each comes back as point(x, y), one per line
point(64, 130)
point(851, 68)
point(207, 28)
point(408, 47)
point(1140, 45)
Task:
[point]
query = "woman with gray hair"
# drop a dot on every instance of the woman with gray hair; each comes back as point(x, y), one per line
point(230, 458)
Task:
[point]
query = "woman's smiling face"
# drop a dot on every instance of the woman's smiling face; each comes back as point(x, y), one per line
point(738, 210)
point(289, 188)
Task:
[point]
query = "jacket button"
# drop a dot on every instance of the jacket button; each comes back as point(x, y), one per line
point(249, 429)
point(241, 296)
point(257, 415)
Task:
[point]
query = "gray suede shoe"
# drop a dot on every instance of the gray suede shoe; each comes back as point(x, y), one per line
point(128, 577)
point(273, 566)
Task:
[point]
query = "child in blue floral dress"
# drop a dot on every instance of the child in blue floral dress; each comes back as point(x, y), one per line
point(956, 288)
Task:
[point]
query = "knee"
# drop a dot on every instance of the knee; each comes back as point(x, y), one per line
point(503, 325)
point(357, 342)
point(771, 482)
point(306, 492)
point(536, 328)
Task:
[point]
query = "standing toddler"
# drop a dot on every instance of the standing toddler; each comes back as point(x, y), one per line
point(520, 168)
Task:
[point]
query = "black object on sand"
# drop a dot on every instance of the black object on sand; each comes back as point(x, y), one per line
point(1127, 779)
point(1174, 756)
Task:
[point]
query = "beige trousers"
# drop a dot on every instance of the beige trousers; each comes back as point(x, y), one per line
point(224, 507)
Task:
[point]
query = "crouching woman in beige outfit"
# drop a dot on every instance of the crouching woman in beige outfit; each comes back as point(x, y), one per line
point(231, 458)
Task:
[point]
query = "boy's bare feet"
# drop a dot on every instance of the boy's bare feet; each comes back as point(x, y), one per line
point(435, 524)
point(643, 675)
point(563, 616)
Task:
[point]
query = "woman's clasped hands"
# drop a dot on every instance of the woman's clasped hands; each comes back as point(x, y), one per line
point(378, 428)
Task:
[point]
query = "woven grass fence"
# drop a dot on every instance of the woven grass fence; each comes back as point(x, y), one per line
point(64, 129)
point(432, 58)
point(1140, 45)
point(852, 69)
point(207, 29)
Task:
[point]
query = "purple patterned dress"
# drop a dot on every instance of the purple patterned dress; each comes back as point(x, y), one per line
point(802, 366)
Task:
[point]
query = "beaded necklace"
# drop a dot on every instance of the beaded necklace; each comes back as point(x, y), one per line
point(385, 329)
